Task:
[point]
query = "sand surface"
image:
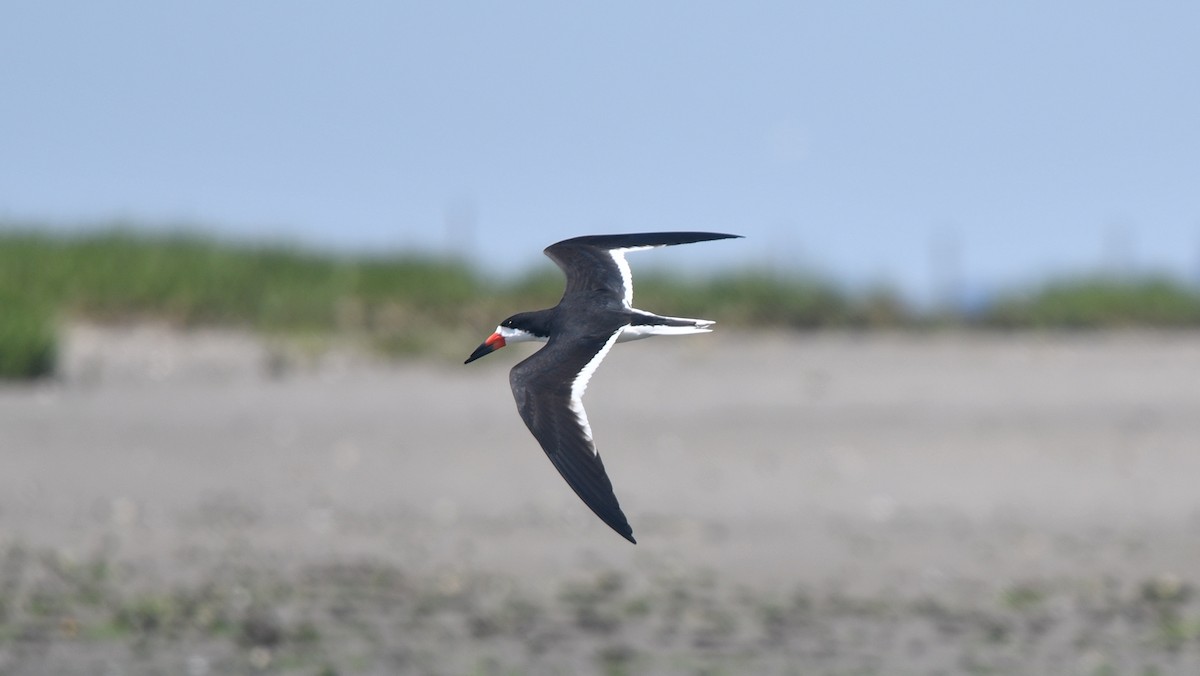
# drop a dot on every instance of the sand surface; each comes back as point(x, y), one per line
point(210, 503)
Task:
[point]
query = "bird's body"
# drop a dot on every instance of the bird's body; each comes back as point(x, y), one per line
point(595, 312)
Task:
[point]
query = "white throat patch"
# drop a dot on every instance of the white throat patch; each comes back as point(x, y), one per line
point(513, 335)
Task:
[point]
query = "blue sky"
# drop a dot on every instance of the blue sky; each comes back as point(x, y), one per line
point(917, 144)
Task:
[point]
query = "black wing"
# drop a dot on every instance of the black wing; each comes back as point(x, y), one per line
point(597, 262)
point(548, 388)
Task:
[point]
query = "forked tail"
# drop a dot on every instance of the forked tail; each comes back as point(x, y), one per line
point(646, 324)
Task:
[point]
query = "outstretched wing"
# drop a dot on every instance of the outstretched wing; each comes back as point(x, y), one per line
point(548, 388)
point(597, 262)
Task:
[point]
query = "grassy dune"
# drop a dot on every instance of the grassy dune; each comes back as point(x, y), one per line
point(384, 299)
point(1098, 302)
point(388, 300)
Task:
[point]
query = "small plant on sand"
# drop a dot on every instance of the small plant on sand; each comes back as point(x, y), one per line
point(27, 339)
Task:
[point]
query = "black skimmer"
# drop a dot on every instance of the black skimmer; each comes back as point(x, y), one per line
point(595, 312)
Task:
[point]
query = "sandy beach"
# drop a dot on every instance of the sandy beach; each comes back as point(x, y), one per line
point(211, 502)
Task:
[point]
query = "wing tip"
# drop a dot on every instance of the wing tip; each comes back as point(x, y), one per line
point(623, 529)
point(634, 240)
point(618, 523)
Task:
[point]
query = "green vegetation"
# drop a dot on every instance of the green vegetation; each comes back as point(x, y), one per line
point(1098, 302)
point(391, 301)
point(190, 280)
point(27, 338)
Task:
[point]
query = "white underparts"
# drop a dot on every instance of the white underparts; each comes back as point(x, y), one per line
point(581, 382)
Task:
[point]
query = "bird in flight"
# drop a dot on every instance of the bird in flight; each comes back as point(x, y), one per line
point(596, 311)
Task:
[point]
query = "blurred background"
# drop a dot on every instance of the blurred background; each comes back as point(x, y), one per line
point(213, 216)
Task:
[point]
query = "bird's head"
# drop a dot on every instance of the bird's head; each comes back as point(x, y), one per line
point(515, 329)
